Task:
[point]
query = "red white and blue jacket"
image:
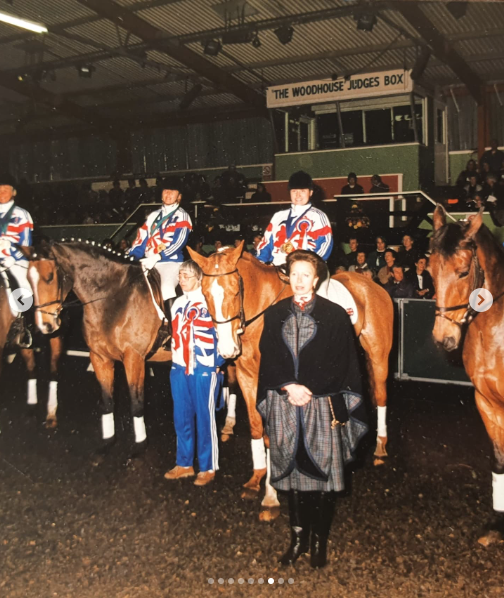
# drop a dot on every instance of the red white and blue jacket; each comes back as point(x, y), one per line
point(165, 232)
point(305, 227)
point(194, 340)
point(16, 226)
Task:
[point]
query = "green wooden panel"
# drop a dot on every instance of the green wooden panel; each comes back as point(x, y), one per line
point(366, 160)
point(498, 231)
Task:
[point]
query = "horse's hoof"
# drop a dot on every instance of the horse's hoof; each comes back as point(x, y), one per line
point(228, 429)
point(51, 424)
point(381, 444)
point(250, 493)
point(139, 449)
point(494, 532)
point(269, 513)
point(106, 446)
point(225, 437)
point(377, 462)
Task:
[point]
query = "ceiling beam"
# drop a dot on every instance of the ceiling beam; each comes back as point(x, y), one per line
point(151, 35)
point(440, 46)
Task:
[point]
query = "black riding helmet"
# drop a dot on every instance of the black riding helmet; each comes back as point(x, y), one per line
point(7, 179)
point(300, 180)
point(173, 183)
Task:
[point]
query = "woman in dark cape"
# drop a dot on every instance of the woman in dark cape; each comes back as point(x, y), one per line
point(309, 396)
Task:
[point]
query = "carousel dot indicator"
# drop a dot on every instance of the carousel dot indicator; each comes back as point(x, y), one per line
point(241, 580)
point(260, 580)
point(231, 581)
point(290, 580)
point(220, 580)
point(280, 580)
point(251, 581)
point(271, 580)
point(210, 581)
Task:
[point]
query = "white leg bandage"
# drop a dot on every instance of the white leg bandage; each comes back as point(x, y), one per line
point(140, 432)
point(270, 497)
point(32, 391)
point(231, 412)
point(52, 403)
point(108, 427)
point(498, 491)
point(382, 421)
point(258, 453)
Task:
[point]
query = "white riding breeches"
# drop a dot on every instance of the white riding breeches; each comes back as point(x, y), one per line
point(337, 293)
point(169, 272)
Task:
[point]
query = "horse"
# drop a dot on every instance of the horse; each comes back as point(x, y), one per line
point(120, 323)
point(56, 346)
point(466, 257)
point(238, 289)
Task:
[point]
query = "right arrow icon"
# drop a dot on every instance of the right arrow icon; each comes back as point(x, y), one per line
point(481, 300)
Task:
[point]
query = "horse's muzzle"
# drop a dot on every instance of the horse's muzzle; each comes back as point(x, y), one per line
point(449, 343)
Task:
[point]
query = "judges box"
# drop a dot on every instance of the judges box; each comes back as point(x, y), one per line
point(416, 355)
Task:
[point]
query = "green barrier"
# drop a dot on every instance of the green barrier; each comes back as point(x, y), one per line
point(418, 358)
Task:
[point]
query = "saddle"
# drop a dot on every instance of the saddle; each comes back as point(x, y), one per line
point(163, 337)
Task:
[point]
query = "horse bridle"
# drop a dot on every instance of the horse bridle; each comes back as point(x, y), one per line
point(241, 312)
point(470, 313)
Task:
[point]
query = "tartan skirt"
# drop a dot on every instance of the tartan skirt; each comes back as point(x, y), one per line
point(330, 449)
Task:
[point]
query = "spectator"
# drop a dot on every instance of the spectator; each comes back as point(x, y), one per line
point(123, 245)
point(421, 279)
point(485, 171)
point(255, 243)
point(351, 258)
point(471, 187)
point(476, 202)
point(470, 170)
point(376, 259)
point(131, 196)
point(491, 191)
point(198, 246)
point(218, 244)
point(407, 254)
point(493, 157)
point(378, 186)
point(237, 240)
point(352, 188)
point(399, 287)
point(116, 195)
point(385, 273)
point(261, 195)
point(361, 265)
point(144, 192)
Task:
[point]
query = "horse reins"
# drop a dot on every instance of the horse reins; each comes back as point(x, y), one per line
point(241, 312)
point(470, 313)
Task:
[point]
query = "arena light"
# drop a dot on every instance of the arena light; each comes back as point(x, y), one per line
point(212, 47)
point(23, 23)
point(86, 71)
point(284, 34)
point(366, 21)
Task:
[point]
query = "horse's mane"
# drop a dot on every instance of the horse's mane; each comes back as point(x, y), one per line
point(94, 250)
point(448, 239)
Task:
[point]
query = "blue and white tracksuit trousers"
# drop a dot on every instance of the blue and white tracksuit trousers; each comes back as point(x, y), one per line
point(194, 399)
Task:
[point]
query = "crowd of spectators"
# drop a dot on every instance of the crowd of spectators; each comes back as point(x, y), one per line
point(353, 188)
point(482, 185)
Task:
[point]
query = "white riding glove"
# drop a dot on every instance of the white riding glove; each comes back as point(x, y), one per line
point(7, 262)
point(150, 261)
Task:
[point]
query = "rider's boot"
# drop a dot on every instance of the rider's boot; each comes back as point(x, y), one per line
point(299, 516)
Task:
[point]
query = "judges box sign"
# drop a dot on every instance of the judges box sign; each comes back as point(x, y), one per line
point(357, 86)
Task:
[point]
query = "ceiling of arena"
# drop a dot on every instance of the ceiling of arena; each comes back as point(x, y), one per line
point(147, 62)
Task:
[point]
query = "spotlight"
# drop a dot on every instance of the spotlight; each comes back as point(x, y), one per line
point(284, 34)
point(212, 47)
point(366, 21)
point(256, 42)
point(190, 96)
point(86, 71)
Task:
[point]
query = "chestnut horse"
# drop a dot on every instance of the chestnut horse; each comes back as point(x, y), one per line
point(466, 257)
point(120, 320)
point(238, 289)
point(56, 346)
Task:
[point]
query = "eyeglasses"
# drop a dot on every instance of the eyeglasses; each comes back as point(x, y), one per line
point(185, 277)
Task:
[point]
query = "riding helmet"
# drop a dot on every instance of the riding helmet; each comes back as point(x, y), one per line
point(7, 179)
point(173, 183)
point(300, 180)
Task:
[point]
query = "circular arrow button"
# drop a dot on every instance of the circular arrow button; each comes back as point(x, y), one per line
point(21, 299)
point(481, 300)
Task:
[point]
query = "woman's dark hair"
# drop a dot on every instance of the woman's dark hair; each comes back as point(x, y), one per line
point(300, 255)
point(382, 238)
point(392, 251)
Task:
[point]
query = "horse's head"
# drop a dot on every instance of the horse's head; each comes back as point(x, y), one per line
point(456, 273)
point(49, 284)
point(223, 291)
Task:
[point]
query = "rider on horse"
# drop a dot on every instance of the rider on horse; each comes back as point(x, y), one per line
point(16, 226)
point(162, 238)
point(300, 227)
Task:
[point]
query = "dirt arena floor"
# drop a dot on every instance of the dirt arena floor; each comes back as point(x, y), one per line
point(75, 524)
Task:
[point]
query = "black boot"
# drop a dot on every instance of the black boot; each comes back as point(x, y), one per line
point(299, 526)
point(167, 304)
point(321, 518)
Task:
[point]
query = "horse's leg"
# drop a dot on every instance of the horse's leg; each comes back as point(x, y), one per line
point(56, 345)
point(492, 412)
point(29, 359)
point(104, 370)
point(228, 429)
point(377, 351)
point(135, 373)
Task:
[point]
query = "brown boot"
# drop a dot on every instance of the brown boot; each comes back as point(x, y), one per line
point(179, 472)
point(204, 477)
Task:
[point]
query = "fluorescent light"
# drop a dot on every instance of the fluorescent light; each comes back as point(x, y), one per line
point(30, 25)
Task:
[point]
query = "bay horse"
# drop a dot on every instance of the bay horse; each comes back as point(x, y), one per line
point(56, 346)
point(238, 289)
point(120, 320)
point(466, 257)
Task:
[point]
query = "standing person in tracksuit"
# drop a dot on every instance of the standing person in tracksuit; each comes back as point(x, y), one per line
point(162, 238)
point(195, 379)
